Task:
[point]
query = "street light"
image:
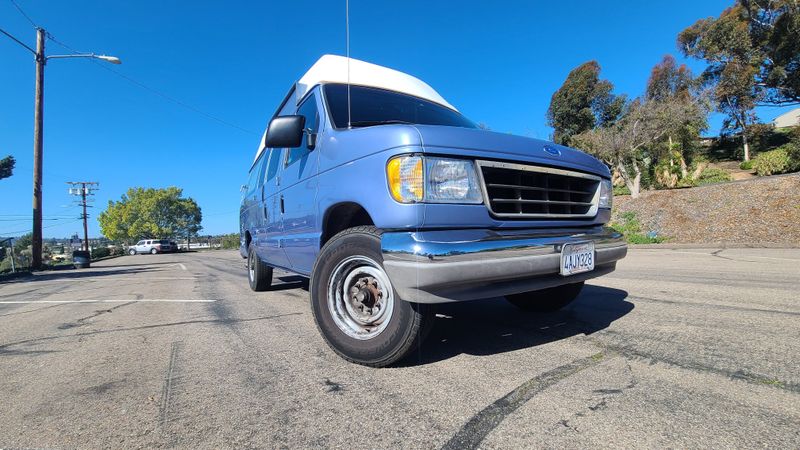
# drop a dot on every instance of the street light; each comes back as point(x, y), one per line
point(111, 59)
point(38, 128)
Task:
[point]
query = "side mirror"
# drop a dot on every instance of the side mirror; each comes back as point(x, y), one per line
point(285, 131)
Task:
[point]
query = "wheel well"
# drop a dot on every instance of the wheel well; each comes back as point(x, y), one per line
point(247, 239)
point(341, 217)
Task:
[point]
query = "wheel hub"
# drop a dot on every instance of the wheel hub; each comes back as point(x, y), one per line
point(365, 298)
point(360, 297)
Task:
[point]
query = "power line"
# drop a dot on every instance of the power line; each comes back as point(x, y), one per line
point(17, 40)
point(155, 91)
point(29, 230)
point(23, 14)
point(28, 218)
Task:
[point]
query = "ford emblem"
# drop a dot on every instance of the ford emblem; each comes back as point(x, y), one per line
point(552, 151)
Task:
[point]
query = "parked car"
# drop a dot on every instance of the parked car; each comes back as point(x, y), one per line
point(389, 200)
point(152, 246)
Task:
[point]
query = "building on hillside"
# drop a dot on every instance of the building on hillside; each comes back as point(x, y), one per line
point(788, 119)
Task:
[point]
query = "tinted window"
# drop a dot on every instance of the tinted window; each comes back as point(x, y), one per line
point(372, 106)
point(308, 110)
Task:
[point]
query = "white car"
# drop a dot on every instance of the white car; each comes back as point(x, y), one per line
point(152, 246)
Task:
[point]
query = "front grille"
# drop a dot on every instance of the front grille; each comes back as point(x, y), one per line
point(526, 192)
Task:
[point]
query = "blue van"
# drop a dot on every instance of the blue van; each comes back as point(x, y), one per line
point(373, 186)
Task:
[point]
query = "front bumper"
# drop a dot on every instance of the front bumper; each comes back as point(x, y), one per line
point(459, 265)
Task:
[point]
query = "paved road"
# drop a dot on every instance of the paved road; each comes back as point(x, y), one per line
point(678, 348)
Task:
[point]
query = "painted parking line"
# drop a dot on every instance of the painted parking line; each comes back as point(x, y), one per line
point(8, 302)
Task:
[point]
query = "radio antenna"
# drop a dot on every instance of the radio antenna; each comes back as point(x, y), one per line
point(347, 49)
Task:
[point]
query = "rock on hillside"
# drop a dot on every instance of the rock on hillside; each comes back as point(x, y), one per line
point(751, 212)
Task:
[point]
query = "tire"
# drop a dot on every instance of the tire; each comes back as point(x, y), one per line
point(367, 323)
point(259, 275)
point(546, 300)
point(153, 251)
point(132, 252)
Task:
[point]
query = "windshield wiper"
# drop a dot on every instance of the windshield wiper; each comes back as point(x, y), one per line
point(370, 123)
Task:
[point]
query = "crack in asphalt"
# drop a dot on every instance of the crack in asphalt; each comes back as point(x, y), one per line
point(4, 348)
point(481, 424)
point(716, 306)
point(80, 322)
point(756, 379)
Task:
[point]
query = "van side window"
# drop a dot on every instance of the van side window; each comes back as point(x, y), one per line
point(273, 164)
point(257, 172)
point(308, 110)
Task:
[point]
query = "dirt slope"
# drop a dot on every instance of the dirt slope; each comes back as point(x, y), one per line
point(750, 212)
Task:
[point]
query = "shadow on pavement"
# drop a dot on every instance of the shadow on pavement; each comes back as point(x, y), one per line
point(84, 273)
point(287, 282)
point(488, 327)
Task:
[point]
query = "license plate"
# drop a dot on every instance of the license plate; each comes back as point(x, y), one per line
point(577, 258)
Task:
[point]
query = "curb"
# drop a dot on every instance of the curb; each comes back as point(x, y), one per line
point(716, 245)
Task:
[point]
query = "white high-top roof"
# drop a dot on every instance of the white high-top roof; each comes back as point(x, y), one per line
point(333, 69)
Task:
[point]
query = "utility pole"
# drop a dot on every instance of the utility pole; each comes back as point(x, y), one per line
point(86, 188)
point(38, 128)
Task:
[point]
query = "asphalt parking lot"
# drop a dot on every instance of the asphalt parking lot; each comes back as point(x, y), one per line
point(678, 348)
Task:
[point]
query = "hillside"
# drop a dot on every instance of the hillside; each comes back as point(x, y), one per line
point(764, 210)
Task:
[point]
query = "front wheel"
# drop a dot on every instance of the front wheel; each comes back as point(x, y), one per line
point(546, 300)
point(357, 311)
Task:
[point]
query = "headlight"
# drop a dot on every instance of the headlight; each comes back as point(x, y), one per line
point(606, 194)
point(436, 180)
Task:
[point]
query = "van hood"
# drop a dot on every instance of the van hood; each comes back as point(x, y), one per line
point(500, 146)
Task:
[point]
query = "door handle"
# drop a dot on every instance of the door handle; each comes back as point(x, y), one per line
point(264, 202)
point(283, 210)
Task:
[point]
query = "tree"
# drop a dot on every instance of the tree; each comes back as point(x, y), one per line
point(753, 55)
point(583, 102)
point(624, 144)
point(150, 213)
point(670, 82)
point(7, 167)
point(725, 44)
point(774, 27)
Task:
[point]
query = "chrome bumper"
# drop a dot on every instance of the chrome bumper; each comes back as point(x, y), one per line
point(458, 265)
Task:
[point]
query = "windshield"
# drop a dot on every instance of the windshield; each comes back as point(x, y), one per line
point(372, 106)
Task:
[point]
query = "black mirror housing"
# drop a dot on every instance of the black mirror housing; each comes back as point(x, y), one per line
point(285, 131)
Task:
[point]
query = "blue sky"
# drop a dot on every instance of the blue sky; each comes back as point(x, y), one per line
point(498, 62)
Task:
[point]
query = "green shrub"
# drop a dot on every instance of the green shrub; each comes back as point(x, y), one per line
point(100, 252)
point(622, 190)
point(746, 165)
point(713, 175)
point(230, 241)
point(772, 162)
point(630, 227)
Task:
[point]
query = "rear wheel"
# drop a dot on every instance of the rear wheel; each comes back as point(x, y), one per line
point(357, 311)
point(258, 274)
point(546, 300)
point(153, 251)
point(131, 252)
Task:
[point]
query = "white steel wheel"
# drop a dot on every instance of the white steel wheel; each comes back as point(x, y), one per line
point(360, 297)
point(355, 307)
